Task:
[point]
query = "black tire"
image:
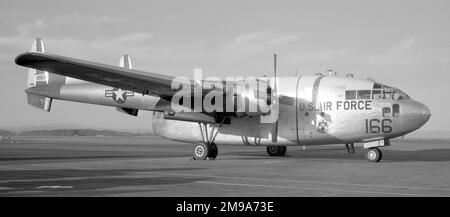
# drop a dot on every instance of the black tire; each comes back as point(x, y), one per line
point(374, 155)
point(201, 151)
point(283, 150)
point(276, 150)
point(213, 151)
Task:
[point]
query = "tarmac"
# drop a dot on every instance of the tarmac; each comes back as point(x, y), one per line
point(151, 166)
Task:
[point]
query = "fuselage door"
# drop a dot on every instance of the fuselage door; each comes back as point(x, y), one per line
point(307, 89)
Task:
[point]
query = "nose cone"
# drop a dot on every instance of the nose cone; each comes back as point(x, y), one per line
point(426, 114)
point(413, 115)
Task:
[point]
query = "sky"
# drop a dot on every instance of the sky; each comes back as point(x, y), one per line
point(405, 44)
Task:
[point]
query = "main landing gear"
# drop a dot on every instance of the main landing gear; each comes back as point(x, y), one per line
point(207, 149)
point(203, 151)
point(276, 150)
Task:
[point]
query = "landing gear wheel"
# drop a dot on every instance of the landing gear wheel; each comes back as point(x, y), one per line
point(276, 150)
point(201, 151)
point(374, 155)
point(213, 151)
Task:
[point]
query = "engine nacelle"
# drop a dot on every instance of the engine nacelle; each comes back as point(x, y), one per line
point(252, 97)
point(236, 98)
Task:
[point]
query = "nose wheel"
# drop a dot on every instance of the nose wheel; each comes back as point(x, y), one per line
point(374, 155)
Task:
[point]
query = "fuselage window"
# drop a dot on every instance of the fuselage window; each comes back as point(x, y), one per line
point(386, 112)
point(395, 110)
point(395, 95)
point(350, 94)
point(387, 94)
point(399, 95)
point(363, 94)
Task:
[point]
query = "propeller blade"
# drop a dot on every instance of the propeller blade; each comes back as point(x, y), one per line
point(275, 104)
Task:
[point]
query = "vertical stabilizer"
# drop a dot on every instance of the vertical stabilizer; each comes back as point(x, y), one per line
point(37, 77)
point(125, 62)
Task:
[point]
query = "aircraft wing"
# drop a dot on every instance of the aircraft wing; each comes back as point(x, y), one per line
point(127, 79)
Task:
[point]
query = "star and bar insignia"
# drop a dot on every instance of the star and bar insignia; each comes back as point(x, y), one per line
point(119, 95)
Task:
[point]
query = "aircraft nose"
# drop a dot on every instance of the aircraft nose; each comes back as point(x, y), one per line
point(426, 113)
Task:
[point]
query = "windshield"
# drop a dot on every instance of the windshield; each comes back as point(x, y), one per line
point(385, 92)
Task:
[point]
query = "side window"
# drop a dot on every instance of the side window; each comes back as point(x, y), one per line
point(395, 95)
point(363, 94)
point(350, 94)
point(376, 94)
point(387, 94)
point(386, 112)
point(396, 110)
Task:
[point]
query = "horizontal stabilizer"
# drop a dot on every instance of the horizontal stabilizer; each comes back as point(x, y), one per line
point(40, 102)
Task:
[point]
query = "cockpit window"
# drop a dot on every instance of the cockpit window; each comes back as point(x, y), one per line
point(363, 94)
point(398, 94)
point(350, 94)
point(357, 94)
point(385, 92)
point(379, 91)
point(376, 94)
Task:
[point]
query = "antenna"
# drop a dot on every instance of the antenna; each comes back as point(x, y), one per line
point(275, 70)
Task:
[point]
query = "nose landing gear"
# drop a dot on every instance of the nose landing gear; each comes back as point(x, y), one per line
point(374, 155)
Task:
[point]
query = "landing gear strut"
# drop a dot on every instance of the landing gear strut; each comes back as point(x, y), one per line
point(207, 149)
point(276, 150)
point(350, 148)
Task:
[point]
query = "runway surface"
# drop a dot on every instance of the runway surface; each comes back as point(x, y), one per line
point(97, 166)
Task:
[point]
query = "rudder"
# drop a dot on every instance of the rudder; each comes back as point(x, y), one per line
point(37, 77)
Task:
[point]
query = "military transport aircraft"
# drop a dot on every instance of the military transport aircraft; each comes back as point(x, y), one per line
point(301, 110)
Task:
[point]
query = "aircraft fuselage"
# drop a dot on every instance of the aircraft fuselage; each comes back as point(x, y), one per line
point(314, 110)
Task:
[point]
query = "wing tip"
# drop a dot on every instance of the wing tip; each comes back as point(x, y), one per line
point(24, 58)
point(20, 59)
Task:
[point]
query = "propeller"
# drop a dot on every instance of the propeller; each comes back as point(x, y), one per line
point(275, 111)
